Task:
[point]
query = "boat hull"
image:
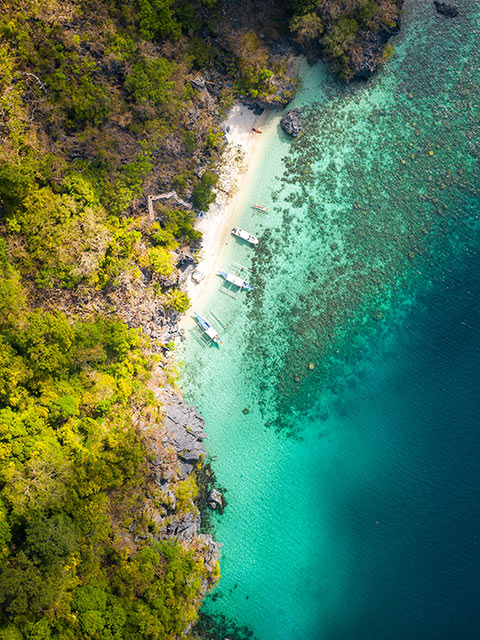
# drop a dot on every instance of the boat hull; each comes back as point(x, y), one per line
point(208, 329)
point(245, 235)
point(235, 280)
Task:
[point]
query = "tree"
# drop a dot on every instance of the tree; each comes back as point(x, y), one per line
point(50, 539)
point(12, 296)
point(203, 196)
point(156, 19)
point(307, 26)
point(25, 590)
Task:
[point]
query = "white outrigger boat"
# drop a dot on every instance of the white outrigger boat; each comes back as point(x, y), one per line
point(235, 280)
point(260, 207)
point(208, 329)
point(245, 235)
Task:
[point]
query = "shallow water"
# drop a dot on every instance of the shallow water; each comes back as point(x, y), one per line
point(368, 269)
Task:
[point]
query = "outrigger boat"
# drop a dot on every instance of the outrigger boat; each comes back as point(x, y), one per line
point(235, 280)
point(260, 207)
point(208, 329)
point(244, 235)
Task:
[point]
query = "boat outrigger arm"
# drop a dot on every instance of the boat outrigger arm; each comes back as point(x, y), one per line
point(236, 281)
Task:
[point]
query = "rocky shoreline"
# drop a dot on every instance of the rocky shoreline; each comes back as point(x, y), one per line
point(176, 452)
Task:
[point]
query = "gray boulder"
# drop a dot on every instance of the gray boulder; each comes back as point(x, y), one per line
point(198, 83)
point(184, 528)
point(291, 122)
point(215, 500)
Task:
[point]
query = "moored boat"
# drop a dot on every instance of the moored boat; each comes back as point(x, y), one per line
point(235, 280)
point(244, 235)
point(208, 329)
point(260, 207)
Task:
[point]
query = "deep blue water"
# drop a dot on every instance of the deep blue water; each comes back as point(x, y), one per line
point(416, 575)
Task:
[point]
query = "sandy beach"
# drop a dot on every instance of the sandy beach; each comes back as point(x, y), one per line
point(234, 174)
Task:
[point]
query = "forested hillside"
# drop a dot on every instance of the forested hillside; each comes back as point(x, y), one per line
point(79, 552)
point(102, 103)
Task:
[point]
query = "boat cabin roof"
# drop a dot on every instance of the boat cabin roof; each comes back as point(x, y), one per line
point(211, 333)
point(235, 279)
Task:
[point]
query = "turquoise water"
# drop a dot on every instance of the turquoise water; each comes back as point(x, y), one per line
point(352, 487)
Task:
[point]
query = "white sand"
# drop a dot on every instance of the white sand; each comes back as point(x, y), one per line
point(234, 173)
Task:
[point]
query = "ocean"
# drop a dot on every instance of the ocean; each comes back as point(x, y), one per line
point(343, 408)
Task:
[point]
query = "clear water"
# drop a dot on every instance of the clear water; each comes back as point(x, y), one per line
point(353, 492)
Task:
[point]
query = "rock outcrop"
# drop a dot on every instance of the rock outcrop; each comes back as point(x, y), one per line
point(370, 52)
point(215, 500)
point(291, 122)
point(175, 449)
point(185, 428)
point(447, 10)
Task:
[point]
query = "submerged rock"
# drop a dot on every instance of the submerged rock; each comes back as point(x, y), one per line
point(291, 122)
point(448, 10)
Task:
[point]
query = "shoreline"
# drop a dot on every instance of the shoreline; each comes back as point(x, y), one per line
point(235, 172)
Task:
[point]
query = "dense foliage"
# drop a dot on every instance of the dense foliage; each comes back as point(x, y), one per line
point(88, 107)
point(74, 482)
point(351, 33)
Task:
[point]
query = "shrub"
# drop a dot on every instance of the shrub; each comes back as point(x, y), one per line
point(201, 53)
point(366, 13)
point(300, 7)
point(190, 142)
point(159, 260)
point(203, 196)
point(212, 138)
point(150, 80)
point(86, 101)
point(307, 26)
point(178, 300)
point(341, 37)
point(156, 19)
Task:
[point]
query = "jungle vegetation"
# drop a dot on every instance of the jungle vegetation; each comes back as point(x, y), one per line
point(346, 32)
point(77, 554)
